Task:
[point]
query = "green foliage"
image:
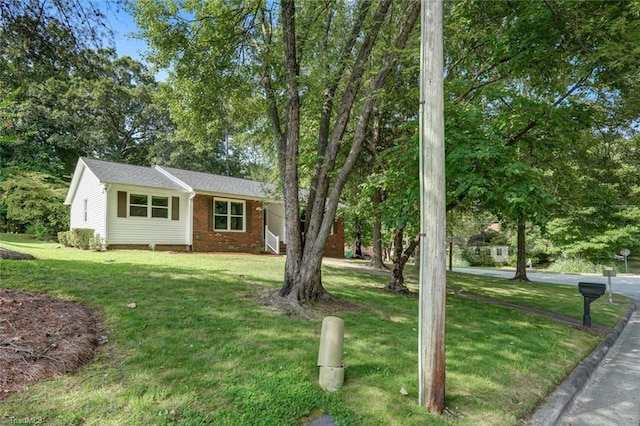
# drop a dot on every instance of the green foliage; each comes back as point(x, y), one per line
point(551, 86)
point(63, 238)
point(34, 200)
point(82, 19)
point(38, 230)
point(82, 238)
point(575, 265)
point(11, 132)
point(601, 215)
point(596, 241)
point(73, 101)
point(478, 257)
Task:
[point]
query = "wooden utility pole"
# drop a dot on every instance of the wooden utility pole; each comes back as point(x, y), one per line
point(431, 334)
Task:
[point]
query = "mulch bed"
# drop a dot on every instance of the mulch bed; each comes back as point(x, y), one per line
point(14, 255)
point(41, 337)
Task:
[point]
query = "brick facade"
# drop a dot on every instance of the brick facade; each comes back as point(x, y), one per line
point(335, 242)
point(205, 239)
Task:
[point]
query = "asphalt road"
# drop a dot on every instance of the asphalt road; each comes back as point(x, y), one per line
point(625, 284)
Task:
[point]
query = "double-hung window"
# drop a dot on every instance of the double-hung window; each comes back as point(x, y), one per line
point(138, 205)
point(149, 206)
point(160, 207)
point(228, 215)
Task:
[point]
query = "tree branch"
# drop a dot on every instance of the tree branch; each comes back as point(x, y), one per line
point(330, 91)
point(413, 12)
point(534, 122)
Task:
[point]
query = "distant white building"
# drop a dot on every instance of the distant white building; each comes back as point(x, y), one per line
point(491, 243)
point(499, 254)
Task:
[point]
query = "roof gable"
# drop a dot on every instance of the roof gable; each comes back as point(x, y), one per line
point(108, 172)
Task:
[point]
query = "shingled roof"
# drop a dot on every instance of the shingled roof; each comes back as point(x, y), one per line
point(108, 172)
point(173, 179)
point(216, 184)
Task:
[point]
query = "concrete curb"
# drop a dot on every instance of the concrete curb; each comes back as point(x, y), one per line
point(556, 403)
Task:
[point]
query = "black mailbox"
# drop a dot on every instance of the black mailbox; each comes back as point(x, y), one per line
point(590, 292)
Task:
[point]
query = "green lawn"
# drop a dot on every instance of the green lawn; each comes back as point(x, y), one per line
point(200, 348)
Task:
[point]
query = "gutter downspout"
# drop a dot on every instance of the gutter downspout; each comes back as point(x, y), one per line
point(192, 195)
point(107, 189)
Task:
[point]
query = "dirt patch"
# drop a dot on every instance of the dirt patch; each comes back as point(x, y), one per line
point(329, 305)
point(14, 255)
point(41, 337)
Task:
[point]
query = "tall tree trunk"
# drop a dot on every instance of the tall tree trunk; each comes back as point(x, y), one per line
point(311, 274)
point(400, 258)
point(397, 274)
point(287, 143)
point(521, 258)
point(376, 258)
point(358, 250)
point(302, 271)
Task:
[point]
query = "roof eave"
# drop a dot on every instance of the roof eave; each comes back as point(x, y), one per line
point(75, 181)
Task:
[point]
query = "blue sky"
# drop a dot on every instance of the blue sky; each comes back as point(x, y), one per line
point(125, 31)
point(123, 27)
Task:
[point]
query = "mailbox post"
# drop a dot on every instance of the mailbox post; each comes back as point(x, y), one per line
point(590, 292)
point(609, 272)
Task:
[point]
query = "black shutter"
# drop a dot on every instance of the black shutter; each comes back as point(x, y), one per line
point(122, 204)
point(210, 215)
point(175, 208)
point(247, 220)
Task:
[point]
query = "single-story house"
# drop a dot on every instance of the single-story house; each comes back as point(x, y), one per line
point(498, 254)
point(490, 244)
point(172, 209)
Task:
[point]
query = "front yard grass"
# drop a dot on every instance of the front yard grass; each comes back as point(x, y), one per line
point(200, 348)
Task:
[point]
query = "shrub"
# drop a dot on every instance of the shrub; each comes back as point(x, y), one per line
point(460, 260)
point(38, 231)
point(97, 243)
point(478, 257)
point(63, 238)
point(575, 265)
point(82, 238)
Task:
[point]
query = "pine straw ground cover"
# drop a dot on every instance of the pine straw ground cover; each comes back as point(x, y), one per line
point(193, 339)
point(41, 336)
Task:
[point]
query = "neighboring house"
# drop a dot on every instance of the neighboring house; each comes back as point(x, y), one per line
point(498, 254)
point(171, 209)
point(489, 244)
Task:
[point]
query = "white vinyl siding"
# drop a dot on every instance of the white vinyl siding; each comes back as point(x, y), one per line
point(89, 204)
point(156, 226)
